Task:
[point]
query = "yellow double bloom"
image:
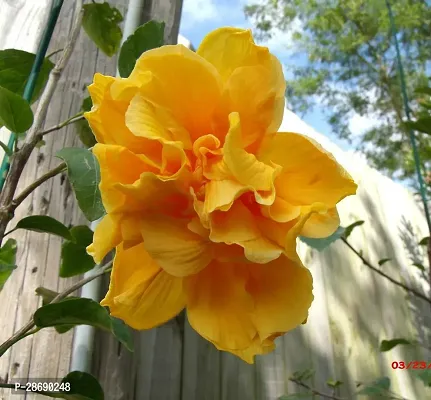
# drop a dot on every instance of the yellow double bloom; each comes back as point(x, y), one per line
point(204, 198)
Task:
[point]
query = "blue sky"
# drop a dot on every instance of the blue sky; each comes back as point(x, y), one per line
point(201, 16)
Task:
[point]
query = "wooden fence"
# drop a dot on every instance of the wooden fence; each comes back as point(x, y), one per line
point(354, 308)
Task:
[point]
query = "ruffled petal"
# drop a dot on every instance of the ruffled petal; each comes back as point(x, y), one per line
point(321, 225)
point(140, 292)
point(257, 347)
point(218, 306)
point(238, 226)
point(118, 165)
point(107, 117)
point(106, 236)
point(230, 48)
point(310, 174)
point(183, 83)
point(154, 122)
point(244, 166)
point(254, 93)
point(174, 247)
point(282, 294)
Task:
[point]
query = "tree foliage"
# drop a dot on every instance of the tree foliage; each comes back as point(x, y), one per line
point(352, 69)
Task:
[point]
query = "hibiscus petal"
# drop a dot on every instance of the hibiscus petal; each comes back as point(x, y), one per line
point(218, 306)
point(257, 347)
point(183, 83)
point(178, 250)
point(140, 292)
point(282, 294)
point(220, 195)
point(310, 174)
point(321, 225)
point(230, 48)
point(244, 166)
point(106, 236)
point(254, 94)
point(154, 122)
point(118, 165)
point(238, 226)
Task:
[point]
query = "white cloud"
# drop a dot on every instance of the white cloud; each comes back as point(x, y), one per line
point(358, 124)
point(199, 11)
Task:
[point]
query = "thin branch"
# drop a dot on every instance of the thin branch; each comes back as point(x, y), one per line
point(20, 158)
point(316, 392)
point(54, 52)
point(395, 282)
point(29, 189)
point(17, 336)
point(71, 120)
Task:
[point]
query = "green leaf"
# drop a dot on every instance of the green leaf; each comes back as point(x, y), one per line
point(423, 90)
point(6, 149)
point(349, 229)
point(303, 375)
point(321, 244)
point(122, 332)
point(15, 112)
point(423, 124)
point(100, 22)
point(74, 311)
point(84, 131)
point(420, 266)
point(378, 387)
point(384, 261)
point(333, 384)
point(8, 252)
point(44, 224)
point(424, 376)
point(424, 241)
point(146, 37)
point(74, 257)
point(83, 386)
point(87, 104)
point(387, 345)
point(7, 261)
point(46, 294)
point(84, 175)
point(15, 68)
point(5, 273)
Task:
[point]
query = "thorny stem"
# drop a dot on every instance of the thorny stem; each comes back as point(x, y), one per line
point(400, 284)
point(24, 331)
point(20, 158)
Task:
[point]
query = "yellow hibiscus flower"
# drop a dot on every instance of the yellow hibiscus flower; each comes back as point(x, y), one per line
point(204, 198)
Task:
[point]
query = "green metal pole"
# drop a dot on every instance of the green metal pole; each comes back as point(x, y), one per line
point(31, 83)
point(407, 111)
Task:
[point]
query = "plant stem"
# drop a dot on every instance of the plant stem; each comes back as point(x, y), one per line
point(20, 158)
point(24, 331)
point(30, 188)
point(54, 52)
point(395, 282)
point(6, 149)
point(316, 392)
point(71, 120)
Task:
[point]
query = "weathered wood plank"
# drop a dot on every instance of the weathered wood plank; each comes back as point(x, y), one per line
point(354, 309)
